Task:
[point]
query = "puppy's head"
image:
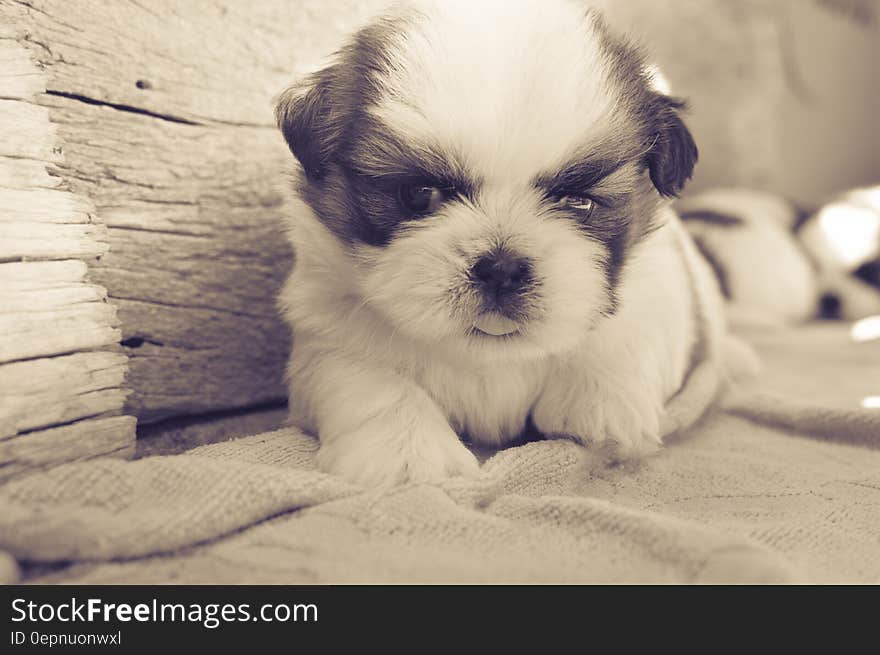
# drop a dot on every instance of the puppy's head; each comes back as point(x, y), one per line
point(488, 167)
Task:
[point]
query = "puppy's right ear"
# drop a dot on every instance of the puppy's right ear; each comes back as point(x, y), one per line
point(310, 122)
point(673, 154)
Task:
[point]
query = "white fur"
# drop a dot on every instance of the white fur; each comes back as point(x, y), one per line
point(615, 384)
point(387, 406)
point(482, 77)
point(771, 281)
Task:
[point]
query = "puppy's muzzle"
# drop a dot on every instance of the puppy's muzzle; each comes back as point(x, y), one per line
point(502, 278)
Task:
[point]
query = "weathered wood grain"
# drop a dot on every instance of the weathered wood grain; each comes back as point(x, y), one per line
point(54, 390)
point(164, 110)
point(61, 367)
point(196, 253)
point(81, 440)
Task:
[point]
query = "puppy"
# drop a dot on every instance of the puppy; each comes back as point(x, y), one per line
point(483, 241)
point(748, 238)
point(777, 264)
point(843, 239)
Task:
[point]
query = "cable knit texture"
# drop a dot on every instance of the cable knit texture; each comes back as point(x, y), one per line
point(782, 485)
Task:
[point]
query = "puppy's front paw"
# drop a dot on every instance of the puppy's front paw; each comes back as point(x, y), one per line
point(625, 421)
point(393, 449)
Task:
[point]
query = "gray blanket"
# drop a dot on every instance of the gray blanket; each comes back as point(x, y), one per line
point(782, 485)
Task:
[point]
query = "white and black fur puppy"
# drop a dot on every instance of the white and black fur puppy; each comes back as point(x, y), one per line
point(483, 241)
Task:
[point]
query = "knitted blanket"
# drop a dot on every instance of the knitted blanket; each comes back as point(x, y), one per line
point(781, 485)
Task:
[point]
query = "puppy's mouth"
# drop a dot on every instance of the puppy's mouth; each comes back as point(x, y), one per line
point(493, 324)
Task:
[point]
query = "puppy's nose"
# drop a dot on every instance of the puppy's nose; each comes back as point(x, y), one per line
point(502, 272)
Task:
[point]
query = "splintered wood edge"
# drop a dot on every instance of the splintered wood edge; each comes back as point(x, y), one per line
point(61, 368)
point(87, 439)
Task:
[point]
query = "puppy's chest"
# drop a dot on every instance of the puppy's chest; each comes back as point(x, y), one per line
point(488, 404)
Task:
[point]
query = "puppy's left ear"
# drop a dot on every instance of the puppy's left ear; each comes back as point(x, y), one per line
point(673, 154)
point(311, 121)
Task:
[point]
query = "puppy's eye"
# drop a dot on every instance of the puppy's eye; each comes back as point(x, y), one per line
point(583, 205)
point(419, 198)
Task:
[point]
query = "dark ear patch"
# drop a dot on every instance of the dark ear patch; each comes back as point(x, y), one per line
point(673, 153)
point(869, 272)
point(305, 116)
point(318, 115)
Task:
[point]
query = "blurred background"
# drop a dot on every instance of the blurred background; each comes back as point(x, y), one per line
point(784, 94)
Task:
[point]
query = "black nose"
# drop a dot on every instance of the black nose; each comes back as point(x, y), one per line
point(502, 272)
point(829, 306)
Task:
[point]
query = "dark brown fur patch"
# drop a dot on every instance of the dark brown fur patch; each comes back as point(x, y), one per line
point(668, 147)
point(319, 116)
point(352, 167)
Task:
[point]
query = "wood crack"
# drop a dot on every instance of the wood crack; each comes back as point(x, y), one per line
point(150, 230)
point(220, 310)
point(138, 341)
point(120, 107)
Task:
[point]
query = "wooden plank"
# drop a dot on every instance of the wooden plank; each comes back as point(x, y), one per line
point(19, 207)
point(61, 367)
point(196, 260)
point(47, 241)
point(31, 136)
point(49, 391)
point(49, 308)
point(217, 62)
point(21, 173)
point(106, 437)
